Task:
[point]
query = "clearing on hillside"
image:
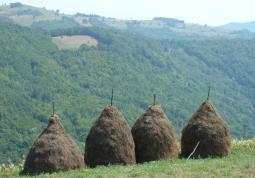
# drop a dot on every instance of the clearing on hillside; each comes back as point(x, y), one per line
point(73, 42)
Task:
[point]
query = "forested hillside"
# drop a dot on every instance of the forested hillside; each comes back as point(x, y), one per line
point(33, 73)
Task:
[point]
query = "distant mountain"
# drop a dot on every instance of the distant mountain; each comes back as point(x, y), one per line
point(250, 26)
point(157, 28)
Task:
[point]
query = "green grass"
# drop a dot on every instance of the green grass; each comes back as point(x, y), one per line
point(241, 163)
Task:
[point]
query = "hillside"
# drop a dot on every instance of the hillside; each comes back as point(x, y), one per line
point(157, 28)
point(33, 73)
point(217, 167)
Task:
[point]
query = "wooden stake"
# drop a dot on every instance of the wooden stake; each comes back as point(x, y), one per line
point(154, 99)
point(193, 150)
point(208, 94)
point(53, 108)
point(112, 97)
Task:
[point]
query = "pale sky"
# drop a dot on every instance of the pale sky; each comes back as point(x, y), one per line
point(210, 12)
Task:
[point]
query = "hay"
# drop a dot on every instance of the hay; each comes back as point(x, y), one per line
point(53, 151)
point(207, 127)
point(154, 136)
point(110, 140)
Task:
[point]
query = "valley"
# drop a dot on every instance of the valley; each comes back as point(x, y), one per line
point(139, 61)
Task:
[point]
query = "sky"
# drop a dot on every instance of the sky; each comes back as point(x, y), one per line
point(210, 12)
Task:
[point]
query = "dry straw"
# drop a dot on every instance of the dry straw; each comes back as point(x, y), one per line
point(154, 136)
point(110, 140)
point(53, 151)
point(207, 128)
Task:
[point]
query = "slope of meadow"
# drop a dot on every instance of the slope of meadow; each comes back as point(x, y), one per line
point(240, 164)
point(33, 73)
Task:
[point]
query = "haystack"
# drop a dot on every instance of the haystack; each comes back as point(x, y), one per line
point(206, 130)
point(53, 151)
point(154, 136)
point(110, 140)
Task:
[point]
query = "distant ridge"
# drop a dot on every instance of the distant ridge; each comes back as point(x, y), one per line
point(157, 28)
point(250, 26)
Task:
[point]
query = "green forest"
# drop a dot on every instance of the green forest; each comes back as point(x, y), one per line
point(34, 73)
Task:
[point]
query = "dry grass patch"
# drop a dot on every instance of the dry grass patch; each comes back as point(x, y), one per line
point(74, 42)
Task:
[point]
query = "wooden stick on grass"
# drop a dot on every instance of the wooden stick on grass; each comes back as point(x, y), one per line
point(193, 150)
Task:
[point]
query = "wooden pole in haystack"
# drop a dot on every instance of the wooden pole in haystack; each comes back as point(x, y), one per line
point(53, 108)
point(208, 94)
point(112, 97)
point(154, 99)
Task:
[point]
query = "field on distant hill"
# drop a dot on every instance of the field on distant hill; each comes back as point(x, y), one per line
point(74, 42)
point(241, 164)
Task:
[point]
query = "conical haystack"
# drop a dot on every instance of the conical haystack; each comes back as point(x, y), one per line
point(206, 129)
point(110, 140)
point(154, 136)
point(53, 151)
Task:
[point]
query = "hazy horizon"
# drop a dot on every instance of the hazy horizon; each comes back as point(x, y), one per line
point(213, 13)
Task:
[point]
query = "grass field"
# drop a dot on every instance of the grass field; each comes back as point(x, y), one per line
point(241, 163)
point(74, 42)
